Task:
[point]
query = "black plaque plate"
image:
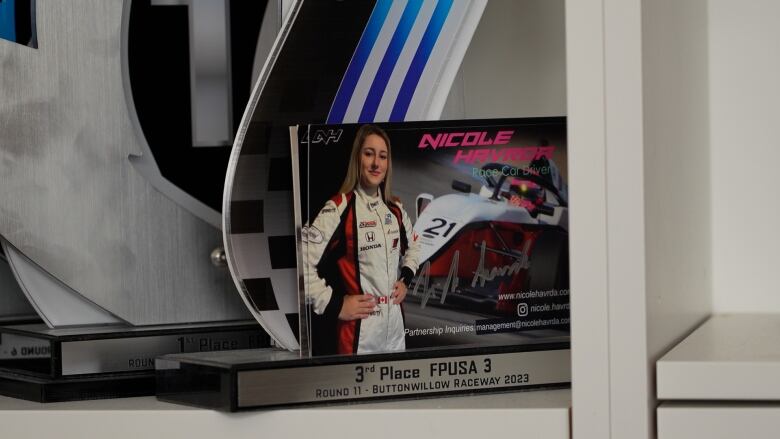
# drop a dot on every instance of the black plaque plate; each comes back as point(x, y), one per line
point(65, 364)
point(260, 378)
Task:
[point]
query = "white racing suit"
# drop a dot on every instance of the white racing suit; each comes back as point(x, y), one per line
point(356, 245)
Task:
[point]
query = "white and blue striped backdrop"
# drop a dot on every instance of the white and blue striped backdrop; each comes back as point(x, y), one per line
point(404, 64)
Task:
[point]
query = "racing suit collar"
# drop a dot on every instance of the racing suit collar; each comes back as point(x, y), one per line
point(371, 202)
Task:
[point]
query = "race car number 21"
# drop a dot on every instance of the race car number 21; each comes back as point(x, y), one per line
point(441, 222)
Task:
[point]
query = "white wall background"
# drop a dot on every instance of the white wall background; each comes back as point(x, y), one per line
point(745, 153)
point(515, 65)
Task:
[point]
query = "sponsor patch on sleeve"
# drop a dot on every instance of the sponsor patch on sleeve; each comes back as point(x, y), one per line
point(311, 234)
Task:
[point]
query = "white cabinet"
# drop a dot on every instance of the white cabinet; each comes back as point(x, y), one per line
point(677, 101)
point(731, 357)
point(718, 420)
point(672, 111)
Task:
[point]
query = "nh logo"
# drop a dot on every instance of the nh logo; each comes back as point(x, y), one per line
point(325, 136)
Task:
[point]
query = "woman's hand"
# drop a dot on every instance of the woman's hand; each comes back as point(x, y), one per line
point(399, 292)
point(357, 306)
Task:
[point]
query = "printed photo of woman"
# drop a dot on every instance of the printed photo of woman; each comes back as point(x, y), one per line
point(360, 256)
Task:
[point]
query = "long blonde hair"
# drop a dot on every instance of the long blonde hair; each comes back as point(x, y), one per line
point(352, 179)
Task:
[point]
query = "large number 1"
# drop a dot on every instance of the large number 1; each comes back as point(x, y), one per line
point(211, 93)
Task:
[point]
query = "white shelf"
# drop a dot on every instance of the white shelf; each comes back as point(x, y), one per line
point(729, 357)
point(677, 420)
point(537, 414)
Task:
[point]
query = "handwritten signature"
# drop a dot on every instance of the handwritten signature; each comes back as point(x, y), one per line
point(481, 275)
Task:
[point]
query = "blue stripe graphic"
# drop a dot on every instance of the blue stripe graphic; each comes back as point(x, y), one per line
point(358, 62)
point(387, 65)
point(8, 20)
point(420, 59)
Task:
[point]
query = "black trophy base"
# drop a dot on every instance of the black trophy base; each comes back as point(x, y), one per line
point(41, 364)
point(262, 378)
point(106, 386)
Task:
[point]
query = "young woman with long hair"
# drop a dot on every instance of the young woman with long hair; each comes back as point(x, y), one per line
point(361, 254)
